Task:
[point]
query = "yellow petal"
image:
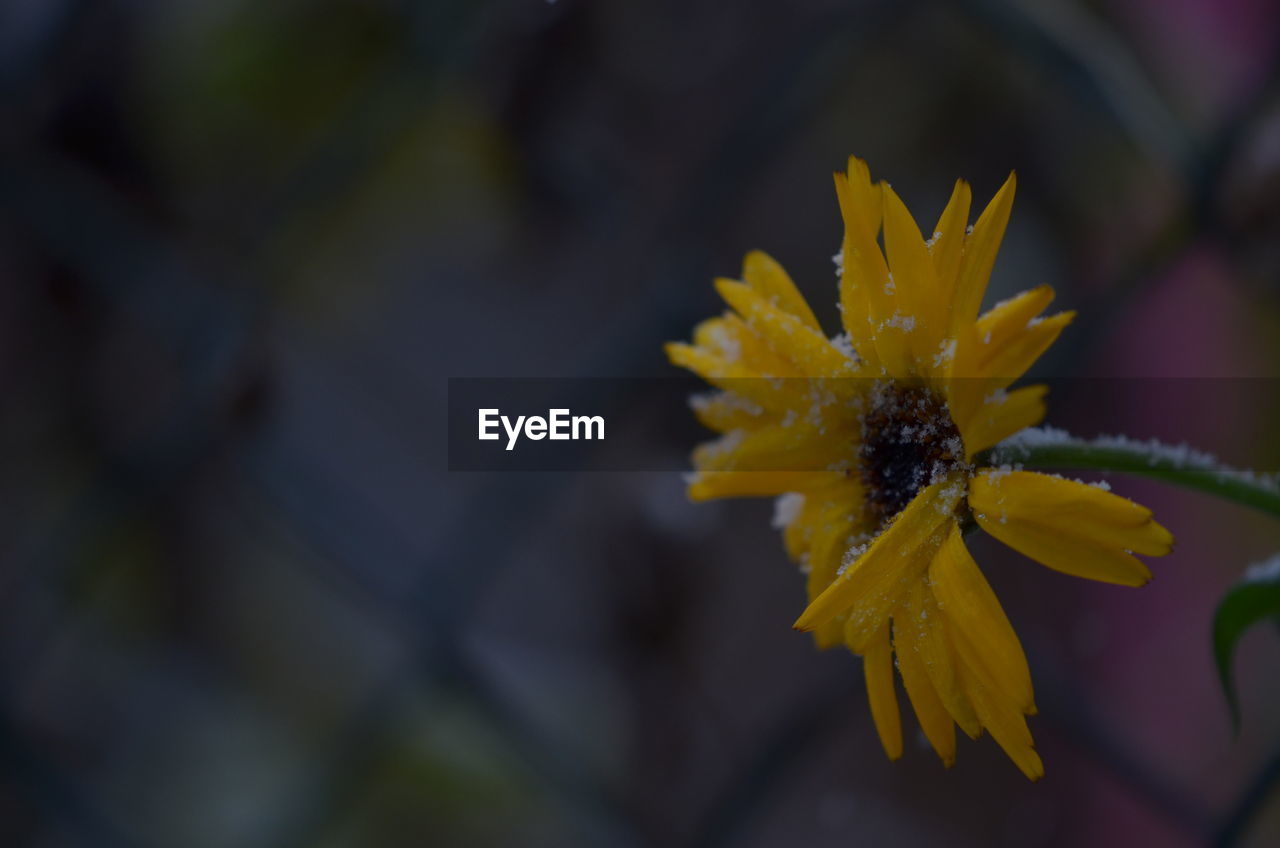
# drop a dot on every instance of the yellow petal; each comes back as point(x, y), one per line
point(998, 325)
point(860, 208)
point(834, 535)
point(948, 242)
point(1072, 508)
point(934, 719)
point(1068, 554)
point(1001, 415)
point(798, 447)
point(829, 635)
point(966, 600)
point(980, 250)
point(868, 303)
point(707, 485)
point(1006, 724)
point(1009, 362)
point(762, 273)
point(915, 282)
point(810, 351)
point(824, 496)
point(981, 370)
point(940, 661)
point(736, 378)
point(873, 584)
point(729, 338)
point(725, 411)
point(877, 668)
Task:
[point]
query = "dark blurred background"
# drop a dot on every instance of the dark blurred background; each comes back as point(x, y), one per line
point(243, 244)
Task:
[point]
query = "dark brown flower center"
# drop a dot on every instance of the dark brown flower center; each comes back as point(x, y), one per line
point(908, 441)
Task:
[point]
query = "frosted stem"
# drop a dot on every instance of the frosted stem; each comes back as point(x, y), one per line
point(1045, 448)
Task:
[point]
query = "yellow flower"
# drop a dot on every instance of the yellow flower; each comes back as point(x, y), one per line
point(869, 440)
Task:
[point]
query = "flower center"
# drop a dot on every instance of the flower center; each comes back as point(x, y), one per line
point(908, 442)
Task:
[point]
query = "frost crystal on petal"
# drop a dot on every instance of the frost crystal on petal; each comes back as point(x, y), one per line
point(844, 344)
point(906, 323)
point(851, 556)
point(786, 508)
point(729, 347)
point(946, 353)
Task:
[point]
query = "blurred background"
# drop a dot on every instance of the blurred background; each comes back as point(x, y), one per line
point(243, 245)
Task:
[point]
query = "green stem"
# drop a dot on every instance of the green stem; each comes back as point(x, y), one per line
point(1151, 459)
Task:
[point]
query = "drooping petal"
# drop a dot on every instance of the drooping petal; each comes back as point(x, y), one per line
point(1069, 526)
point(932, 714)
point(877, 668)
point(763, 274)
point(873, 585)
point(1005, 722)
point(924, 619)
point(1068, 554)
point(1071, 507)
point(967, 601)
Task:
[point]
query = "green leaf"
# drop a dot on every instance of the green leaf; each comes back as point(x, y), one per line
point(1253, 599)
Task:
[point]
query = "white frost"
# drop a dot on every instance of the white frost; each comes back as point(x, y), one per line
point(1181, 457)
point(786, 509)
point(851, 556)
point(946, 353)
point(903, 322)
point(844, 344)
point(729, 347)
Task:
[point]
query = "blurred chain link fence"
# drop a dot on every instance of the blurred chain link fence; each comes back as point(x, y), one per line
point(243, 603)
